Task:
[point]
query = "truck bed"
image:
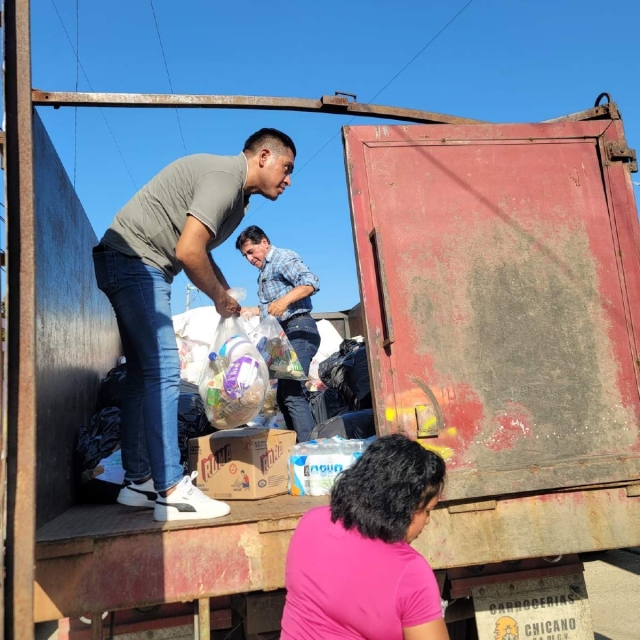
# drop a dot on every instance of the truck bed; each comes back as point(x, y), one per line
point(93, 522)
point(104, 558)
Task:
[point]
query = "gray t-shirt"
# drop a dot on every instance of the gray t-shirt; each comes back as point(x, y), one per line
point(210, 188)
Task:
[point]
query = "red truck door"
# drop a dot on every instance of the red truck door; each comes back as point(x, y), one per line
point(499, 274)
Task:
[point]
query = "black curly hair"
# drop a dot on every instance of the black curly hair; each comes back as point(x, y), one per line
point(379, 494)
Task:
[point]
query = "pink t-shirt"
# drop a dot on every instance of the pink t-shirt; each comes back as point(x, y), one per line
point(343, 585)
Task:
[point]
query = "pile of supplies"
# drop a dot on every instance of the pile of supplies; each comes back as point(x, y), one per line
point(230, 428)
point(236, 364)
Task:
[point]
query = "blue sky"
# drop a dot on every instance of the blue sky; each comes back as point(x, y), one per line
point(500, 60)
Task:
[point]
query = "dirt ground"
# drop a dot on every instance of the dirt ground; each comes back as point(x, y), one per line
point(613, 585)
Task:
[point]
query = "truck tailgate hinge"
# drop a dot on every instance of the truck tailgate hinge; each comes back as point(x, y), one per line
point(619, 151)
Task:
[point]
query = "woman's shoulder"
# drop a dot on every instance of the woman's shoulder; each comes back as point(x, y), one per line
point(317, 513)
point(313, 525)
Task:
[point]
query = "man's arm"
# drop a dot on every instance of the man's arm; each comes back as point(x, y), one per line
point(279, 306)
point(218, 274)
point(191, 251)
point(305, 283)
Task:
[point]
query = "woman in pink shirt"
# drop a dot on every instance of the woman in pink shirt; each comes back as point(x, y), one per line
point(351, 572)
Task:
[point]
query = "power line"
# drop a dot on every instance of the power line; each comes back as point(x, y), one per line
point(84, 73)
point(426, 46)
point(166, 66)
point(402, 70)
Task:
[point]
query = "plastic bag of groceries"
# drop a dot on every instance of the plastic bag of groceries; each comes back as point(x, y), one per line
point(235, 381)
point(274, 346)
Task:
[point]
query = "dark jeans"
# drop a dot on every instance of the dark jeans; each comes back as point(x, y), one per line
point(140, 296)
point(293, 397)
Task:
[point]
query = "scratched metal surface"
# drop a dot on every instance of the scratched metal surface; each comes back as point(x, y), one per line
point(76, 334)
point(499, 281)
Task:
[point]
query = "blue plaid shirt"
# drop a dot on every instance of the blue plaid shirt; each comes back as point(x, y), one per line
point(284, 270)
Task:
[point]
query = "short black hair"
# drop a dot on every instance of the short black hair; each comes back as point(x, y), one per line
point(272, 139)
point(379, 494)
point(254, 234)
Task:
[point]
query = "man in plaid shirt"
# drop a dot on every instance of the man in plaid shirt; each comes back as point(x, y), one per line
point(285, 287)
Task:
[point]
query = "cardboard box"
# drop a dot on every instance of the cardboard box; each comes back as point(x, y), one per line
point(242, 464)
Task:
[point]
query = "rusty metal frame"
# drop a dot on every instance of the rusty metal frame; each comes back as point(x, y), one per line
point(327, 104)
point(20, 406)
point(337, 104)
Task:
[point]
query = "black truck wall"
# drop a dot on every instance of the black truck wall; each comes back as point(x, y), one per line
point(76, 334)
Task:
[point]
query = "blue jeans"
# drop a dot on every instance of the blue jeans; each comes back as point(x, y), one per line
point(293, 397)
point(140, 296)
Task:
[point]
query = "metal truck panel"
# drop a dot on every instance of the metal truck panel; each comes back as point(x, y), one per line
point(77, 339)
point(498, 267)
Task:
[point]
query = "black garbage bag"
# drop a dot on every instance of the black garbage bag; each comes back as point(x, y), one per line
point(102, 437)
point(357, 381)
point(347, 372)
point(326, 405)
point(94, 443)
point(98, 440)
point(352, 425)
point(110, 392)
point(192, 420)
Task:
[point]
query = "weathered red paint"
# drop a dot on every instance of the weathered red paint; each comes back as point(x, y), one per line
point(509, 256)
point(143, 570)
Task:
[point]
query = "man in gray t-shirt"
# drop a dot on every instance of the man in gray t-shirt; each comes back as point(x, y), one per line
point(173, 222)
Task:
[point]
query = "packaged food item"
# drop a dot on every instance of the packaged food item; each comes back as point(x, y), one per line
point(274, 346)
point(234, 384)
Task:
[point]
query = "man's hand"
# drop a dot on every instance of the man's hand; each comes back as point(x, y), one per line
point(278, 307)
point(227, 306)
point(249, 312)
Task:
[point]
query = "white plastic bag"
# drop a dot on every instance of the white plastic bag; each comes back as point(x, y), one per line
point(274, 346)
point(235, 381)
point(330, 341)
point(194, 330)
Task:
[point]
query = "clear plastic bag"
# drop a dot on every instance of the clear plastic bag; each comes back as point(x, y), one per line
point(274, 346)
point(235, 381)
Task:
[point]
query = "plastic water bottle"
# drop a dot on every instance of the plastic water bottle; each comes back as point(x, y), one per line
point(299, 470)
point(217, 364)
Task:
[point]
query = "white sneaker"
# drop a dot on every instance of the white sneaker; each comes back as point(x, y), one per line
point(138, 495)
point(187, 502)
